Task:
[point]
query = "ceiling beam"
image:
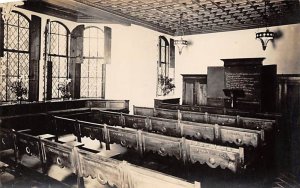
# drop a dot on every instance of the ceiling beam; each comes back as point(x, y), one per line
point(49, 10)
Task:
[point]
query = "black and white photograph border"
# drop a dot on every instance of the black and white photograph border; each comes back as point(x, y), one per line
point(144, 93)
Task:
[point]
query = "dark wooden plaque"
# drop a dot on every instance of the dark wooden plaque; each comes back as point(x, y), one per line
point(244, 74)
point(246, 78)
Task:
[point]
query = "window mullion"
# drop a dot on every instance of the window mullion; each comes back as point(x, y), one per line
point(18, 47)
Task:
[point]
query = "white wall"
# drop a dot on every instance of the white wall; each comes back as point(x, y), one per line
point(207, 50)
point(132, 73)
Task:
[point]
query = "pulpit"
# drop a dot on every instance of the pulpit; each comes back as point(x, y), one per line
point(233, 94)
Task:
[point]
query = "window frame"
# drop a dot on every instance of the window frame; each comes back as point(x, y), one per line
point(49, 82)
point(100, 57)
point(7, 50)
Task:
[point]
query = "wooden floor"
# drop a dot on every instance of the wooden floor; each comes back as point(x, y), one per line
point(209, 178)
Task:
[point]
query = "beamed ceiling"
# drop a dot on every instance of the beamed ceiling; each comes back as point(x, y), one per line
point(199, 16)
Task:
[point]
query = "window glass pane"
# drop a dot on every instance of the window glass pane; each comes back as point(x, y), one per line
point(167, 52)
point(163, 66)
point(86, 47)
point(162, 54)
point(54, 27)
point(93, 48)
point(23, 64)
point(23, 22)
point(91, 69)
point(63, 67)
point(62, 44)
point(55, 66)
point(14, 64)
point(24, 41)
point(84, 87)
point(53, 44)
point(162, 43)
point(12, 34)
point(62, 30)
point(58, 55)
point(85, 68)
point(55, 91)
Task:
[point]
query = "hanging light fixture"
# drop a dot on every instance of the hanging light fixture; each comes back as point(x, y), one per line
point(180, 43)
point(7, 9)
point(266, 36)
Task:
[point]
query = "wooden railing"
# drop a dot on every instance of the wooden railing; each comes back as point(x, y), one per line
point(217, 110)
point(48, 106)
point(196, 131)
point(181, 148)
point(226, 120)
point(85, 162)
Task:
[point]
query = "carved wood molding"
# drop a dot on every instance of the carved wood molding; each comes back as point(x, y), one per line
point(85, 163)
point(164, 145)
point(197, 131)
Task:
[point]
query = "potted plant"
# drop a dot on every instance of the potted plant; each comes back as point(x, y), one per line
point(64, 88)
point(167, 85)
point(19, 88)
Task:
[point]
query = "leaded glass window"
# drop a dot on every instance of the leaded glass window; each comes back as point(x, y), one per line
point(92, 67)
point(15, 62)
point(57, 58)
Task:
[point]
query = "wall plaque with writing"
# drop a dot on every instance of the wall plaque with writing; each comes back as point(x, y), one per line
point(248, 81)
point(245, 74)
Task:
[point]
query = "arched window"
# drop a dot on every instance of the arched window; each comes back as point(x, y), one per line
point(15, 62)
point(57, 58)
point(165, 73)
point(91, 80)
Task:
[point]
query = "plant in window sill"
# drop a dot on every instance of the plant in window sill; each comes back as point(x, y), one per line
point(166, 84)
point(64, 88)
point(18, 87)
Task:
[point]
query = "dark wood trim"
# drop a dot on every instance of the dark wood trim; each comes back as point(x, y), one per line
point(107, 45)
point(103, 81)
point(34, 56)
point(1, 34)
point(172, 53)
point(49, 80)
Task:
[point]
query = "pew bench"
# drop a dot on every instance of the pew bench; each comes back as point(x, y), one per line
point(226, 120)
point(196, 131)
point(180, 148)
point(84, 163)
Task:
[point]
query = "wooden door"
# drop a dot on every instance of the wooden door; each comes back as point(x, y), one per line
point(188, 93)
point(200, 93)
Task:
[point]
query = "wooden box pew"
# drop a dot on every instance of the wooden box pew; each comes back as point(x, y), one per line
point(218, 110)
point(61, 154)
point(30, 145)
point(39, 122)
point(47, 151)
point(6, 139)
point(50, 106)
point(83, 162)
point(227, 120)
point(125, 175)
point(180, 148)
point(235, 121)
point(196, 131)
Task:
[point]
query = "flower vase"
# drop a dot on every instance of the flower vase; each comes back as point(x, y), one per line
point(19, 99)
